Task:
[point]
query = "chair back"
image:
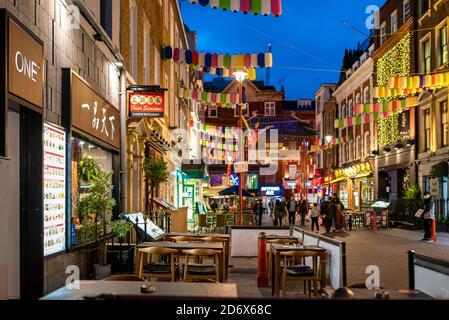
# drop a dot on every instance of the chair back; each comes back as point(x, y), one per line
point(180, 239)
point(202, 221)
point(283, 241)
point(221, 221)
point(302, 255)
point(214, 239)
point(202, 252)
point(147, 253)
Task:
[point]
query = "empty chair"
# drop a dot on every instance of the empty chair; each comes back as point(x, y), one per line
point(301, 272)
point(180, 239)
point(166, 266)
point(203, 271)
point(283, 241)
point(124, 277)
point(202, 222)
point(220, 224)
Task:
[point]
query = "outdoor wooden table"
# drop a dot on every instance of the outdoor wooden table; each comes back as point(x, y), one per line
point(277, 236)
point(226, 240)
point(131, 289)
point(275, 252)
point(365, 294)
point(186, 246)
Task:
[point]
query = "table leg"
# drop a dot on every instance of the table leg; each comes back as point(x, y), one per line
point(138, 256)
point(226, 259)
point(272, 258)
point(277, 265)
point(323, 271)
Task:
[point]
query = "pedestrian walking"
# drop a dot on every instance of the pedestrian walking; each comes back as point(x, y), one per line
point(279, 213)
point(315, 215)
point(303, 208)
point(292, 208)
point(323, 210)
point(428, 216)
point(330, 215)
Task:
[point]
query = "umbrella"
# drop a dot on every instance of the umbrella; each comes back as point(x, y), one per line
point(234, 191)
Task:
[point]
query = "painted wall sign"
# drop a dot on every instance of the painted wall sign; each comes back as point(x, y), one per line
point(150, 105)
point(94, 115)
point(25, 65)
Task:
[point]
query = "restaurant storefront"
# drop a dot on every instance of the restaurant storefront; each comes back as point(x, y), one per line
point(93, 137)
point(21, 160)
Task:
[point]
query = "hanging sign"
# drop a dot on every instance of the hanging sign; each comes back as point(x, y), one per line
point(148, 104)
point(241, 167)
point(54, 189)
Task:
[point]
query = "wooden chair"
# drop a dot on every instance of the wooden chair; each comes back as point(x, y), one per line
point(301, 272)
point(202, 222)
point(278, 241)
point(220, 224)
point(149, 269)
point(124, 277)
point(202, 271)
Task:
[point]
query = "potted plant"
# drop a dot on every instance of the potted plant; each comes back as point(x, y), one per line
point(156, 172)
point(121, 256)
point(95, 209)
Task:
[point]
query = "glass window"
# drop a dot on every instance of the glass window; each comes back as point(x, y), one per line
point(443, 45)
point(245, 111)
point(270, 108)
point(444, 123)
point(427, 129)
point(133, 40)
point(213, 112)
point(383, 33)
point(427, 51)
point(407, 10)
point(424, 7)
point(394, 22)
point(367, 95)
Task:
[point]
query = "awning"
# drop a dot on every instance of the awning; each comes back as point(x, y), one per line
point(440, 170)
point(213, 191)
point(362, 175)
point(194, 170)
point(163, 204)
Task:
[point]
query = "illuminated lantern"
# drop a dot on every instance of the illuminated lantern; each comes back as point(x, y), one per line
point(194, 1)
point(204, 2)
point(176, 55)
point(225, 4)
point(213, 71)
point(252, 74)
point(220, 60)
point(276, 7)
point(247, 61)
point(268, 60)
point(208, 60)
point(266, 7)
point(235, 5)
point(223, 98)
point(201, 59)
point(188, 57)
point(214, 4)
point(416, 81)
point(261, 60)
point(228, 98)
point(213, 97)
point(226, 73)
point(233, 98)
point(254, 63)
point(403, 84)
point(427, 81)
point(227, 61)
point(215, 60)
point(256, 6)
point(194, 57)
point(234, 63)
point(240, 61)
point(245, 6)
point(446, 79)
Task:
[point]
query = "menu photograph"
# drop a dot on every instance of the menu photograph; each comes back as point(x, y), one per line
point(54, 190)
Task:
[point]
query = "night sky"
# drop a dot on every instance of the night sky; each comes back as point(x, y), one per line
point(308, 35)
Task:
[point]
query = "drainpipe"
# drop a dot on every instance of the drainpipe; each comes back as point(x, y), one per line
point(123, 145)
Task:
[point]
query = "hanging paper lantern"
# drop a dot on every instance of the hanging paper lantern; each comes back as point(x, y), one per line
point(266, 7)
point(203, 2)
point(167, 53)
point(245, 6)
point(254, 63)
point(252, 74)
point(226, 73)
point(214, 4)
point(234, 62)
point(233, 98)
point(194, 57)
point(188, 57)
point(276, 7)
point(225, 4)
point(208, 60)
point(212, 71)
point(247, 61)
point(220, 60)
point(227, 61)
point(240, 61)
point(215, 60)
point(403, 84)
point(176, 55)
point(201, 59)
point(427, 81)
point(268, 60)
point(235, 5)
point(261, 60)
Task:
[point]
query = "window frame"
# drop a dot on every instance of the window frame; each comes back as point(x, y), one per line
point(404, 12)
point(383, 33)
point(422, 48)
point(444, 123)
point(394, 27)
point(271, 106)
point(210, 109)
point(443, 50)
point(427, 129)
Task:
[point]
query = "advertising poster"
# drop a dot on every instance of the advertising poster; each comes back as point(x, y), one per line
point(149, 105)
point(54, 189)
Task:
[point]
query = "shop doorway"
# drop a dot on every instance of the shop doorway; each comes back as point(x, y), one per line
point(25, 223)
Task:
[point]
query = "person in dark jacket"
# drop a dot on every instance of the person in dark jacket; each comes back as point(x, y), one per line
point(323, 209)
point(258, 210)
point(428, 216)
point(303, 208)
point(331, 213)
point(279, 213)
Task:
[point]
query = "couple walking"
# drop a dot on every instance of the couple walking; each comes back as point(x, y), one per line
point(332, 214)
point(290, 209)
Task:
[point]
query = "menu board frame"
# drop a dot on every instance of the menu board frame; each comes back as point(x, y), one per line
point(54, 189)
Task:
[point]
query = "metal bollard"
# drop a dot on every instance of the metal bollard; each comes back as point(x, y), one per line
point(374, 226)
point(434, 230)
point(262, 275)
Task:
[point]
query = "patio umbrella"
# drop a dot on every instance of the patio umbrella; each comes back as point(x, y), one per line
point(234, 191)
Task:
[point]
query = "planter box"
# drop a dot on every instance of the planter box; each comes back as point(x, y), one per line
point(121, 258)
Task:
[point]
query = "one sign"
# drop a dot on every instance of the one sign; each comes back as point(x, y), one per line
point(240, 167)
point(290, 185)
point(149, 105)
point(54, 189)
point(235, 180)
point(292, 170)
point(93, 115)
point(271, 191)
point(25, 65)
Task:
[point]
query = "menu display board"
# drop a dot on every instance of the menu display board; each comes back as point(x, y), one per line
point(148, 226)
point(54, 190)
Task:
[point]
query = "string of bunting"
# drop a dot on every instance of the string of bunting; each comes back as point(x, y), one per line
point(264, 7)
point(225, 100)
point(379, 111)
point(405, 85)
point(218, 61)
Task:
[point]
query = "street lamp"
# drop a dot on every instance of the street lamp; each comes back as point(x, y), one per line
point(328, 139)
point(240, 76)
